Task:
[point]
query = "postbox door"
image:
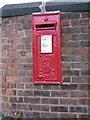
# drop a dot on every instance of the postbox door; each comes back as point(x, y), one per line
point(47, 64)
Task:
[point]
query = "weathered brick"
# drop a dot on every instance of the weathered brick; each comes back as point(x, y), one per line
point(80, 36)
point(67, 16)
point(18, 26)
point(26, 25)
point(70, 30)
point(49, 101)
point(80, 79)
point(84, 101)
point(49, 115)
point(70, 72)
point(69, 87)
point(29, 114)
point(71, 58)
point(79, 22)
point(85, 29)
point(84, 58)
point(32, 100)
point(25, 66)
point(59, 94)
point(69, 101)
point(84, 86)
point(84, 116)
point(51, 87)
point(42, 93)
point(67, 116)
point(78, 109)
point(26, 107)
point(79, 93)
point(71, 44)
point(85, 72)
point(59, 109)
point(84, 15)
point(78, 51)
point(85, 43)
point(25, 93)
point(21, 33)
point(80, 65)
point(13, 106)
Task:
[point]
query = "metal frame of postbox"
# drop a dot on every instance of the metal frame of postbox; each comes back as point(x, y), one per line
point(46, 46)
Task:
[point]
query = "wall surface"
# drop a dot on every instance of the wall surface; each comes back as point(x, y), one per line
point(68, 100)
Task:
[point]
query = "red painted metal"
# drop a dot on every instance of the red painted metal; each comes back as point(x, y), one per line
point(46, 41)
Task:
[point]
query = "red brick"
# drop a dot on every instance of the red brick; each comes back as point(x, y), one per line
point(66, 65)
point(13, 85)
point(66, 79)
point(18, 26)
point(9, 79)
point(66, 37)
point(11, 27)
point(28, 33)
point(66, 51)
point(65, 22)
point(6, 34)
point(21, 33)
point(9, 66)
point(19, 106)
point(28, 18)
point(26, 25)
point(5, 85)
point(9, 92)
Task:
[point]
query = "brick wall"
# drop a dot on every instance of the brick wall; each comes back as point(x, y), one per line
point(0, 66)
point(69, 100)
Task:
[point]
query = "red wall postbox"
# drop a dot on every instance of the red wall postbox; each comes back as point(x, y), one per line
point(46, 48)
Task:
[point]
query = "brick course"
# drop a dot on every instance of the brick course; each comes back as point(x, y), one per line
point(69, 100)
